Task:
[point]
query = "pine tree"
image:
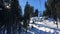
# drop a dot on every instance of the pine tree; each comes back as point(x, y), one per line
point(31, 11)
point(10, 14)
point(36, 12)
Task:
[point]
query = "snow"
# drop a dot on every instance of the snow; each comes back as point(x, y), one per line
point(30, 31)
point(44, 29)
point(52, 31)
point(47, 29)
point(46, 26)
point(31, 21)
point(49, 24)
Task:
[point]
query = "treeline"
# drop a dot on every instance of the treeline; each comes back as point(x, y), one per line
point(11, 15)
point(28, 13)
point(52, 10)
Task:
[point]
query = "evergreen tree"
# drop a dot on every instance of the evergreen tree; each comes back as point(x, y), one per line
point(36, 12)
point(31, 11)
point(10, 14)
point(47, 12)
point(26, 14)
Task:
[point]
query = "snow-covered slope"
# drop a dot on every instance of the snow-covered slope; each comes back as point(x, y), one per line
point(46, 25)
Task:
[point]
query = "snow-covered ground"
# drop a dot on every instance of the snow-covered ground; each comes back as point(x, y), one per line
point(49, 24)
point(46, 26)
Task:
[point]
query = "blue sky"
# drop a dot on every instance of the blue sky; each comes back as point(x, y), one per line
point(37, 4)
